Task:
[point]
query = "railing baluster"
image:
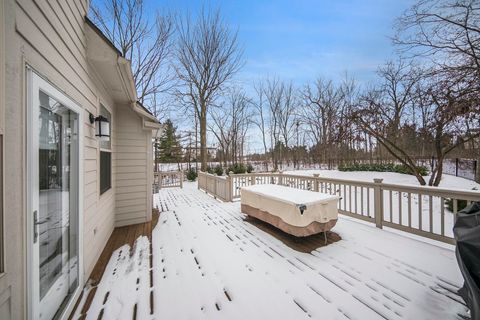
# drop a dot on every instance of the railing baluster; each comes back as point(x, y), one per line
point(430, 212)
point(361, 201)
point(420, 211)
point(368, 201)
point(356, 211)
point(400, 206)
point(409, 209)
point(391, 206)
point(350, 198)
point(442, 216)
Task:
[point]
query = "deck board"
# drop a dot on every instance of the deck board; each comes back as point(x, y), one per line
point(119, 237)
point(209, 261)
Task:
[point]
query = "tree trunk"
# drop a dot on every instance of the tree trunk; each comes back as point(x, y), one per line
point(203, 137)
point(438, 177)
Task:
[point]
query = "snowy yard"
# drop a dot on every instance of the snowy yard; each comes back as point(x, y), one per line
point(208, 263)
point(448, 181)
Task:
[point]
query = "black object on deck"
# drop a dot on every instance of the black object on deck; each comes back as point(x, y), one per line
point(467, 235)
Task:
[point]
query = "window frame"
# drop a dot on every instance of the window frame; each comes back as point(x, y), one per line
point(107, 112)
point(2, 137)
point(103, 190)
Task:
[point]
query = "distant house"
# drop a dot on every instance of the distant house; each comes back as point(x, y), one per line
point(64, 184)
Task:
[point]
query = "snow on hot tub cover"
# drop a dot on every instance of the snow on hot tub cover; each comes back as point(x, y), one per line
point(285, 203)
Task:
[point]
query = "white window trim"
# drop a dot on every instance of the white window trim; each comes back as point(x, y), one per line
point(100, 149)
point(30, 75)
point(2, 137)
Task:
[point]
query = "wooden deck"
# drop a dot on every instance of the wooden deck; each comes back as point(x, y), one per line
point(305, 244)
point(207, 260)
point(120, 236)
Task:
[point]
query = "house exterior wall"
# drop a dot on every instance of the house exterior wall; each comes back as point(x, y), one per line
point(49, 36)
point(134, 169)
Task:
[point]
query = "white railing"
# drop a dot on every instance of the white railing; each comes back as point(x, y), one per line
point(169, 179)
point(414, 209)
point(219, 187)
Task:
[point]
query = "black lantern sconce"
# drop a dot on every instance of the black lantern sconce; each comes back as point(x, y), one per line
point(102, 127)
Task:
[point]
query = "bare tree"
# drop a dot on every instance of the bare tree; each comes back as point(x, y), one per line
point(260, 118)
point(453, 118)
point(147, 44)
point(208, 56)
point(230, 125)
point(288, 113)
point(319, 113)
point(274, 95)
point(325, 115)
point(444, 32)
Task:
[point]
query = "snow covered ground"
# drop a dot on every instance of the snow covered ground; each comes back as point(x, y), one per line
point(448, 181)
point(208, 263)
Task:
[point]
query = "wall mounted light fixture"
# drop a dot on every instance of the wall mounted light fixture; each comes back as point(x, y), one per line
point(102, 127)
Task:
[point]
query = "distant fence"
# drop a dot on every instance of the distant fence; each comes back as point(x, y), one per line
point(419, 210)
point(170, 179)
point(465, 168)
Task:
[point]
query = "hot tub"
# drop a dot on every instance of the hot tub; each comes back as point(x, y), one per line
point(298, 212)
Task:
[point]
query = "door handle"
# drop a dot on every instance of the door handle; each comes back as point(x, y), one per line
point(35, 226)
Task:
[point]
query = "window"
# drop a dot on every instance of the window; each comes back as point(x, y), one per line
point(106, 156)
point(105, 171)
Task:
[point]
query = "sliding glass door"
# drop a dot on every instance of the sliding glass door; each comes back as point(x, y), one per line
point(54, 198)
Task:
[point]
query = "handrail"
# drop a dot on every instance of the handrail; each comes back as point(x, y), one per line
point(168, 179)
point(420, 210)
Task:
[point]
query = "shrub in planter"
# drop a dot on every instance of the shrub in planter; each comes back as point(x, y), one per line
point(218, 170)
point(191, 175)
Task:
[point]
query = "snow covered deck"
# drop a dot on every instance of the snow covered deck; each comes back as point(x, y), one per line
point(209, 263)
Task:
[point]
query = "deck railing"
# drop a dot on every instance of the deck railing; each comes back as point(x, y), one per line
point(219, 187)
point(167, 179)
point(419, 210)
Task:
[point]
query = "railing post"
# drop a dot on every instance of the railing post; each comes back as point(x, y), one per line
point(181, 179)
point(229, 196)
point(315, 183)
point(280, 177)
point(253, 178)
point(378, 201)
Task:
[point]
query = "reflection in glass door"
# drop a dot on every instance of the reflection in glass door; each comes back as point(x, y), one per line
point(55, 170)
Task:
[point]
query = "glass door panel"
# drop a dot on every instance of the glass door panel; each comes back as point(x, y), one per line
point(56, 218)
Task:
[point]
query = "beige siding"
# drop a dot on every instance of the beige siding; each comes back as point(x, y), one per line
point(133, 172)
point(49, 36)
point(5, 279)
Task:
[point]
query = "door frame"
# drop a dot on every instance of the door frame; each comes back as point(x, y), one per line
point(34, 81)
